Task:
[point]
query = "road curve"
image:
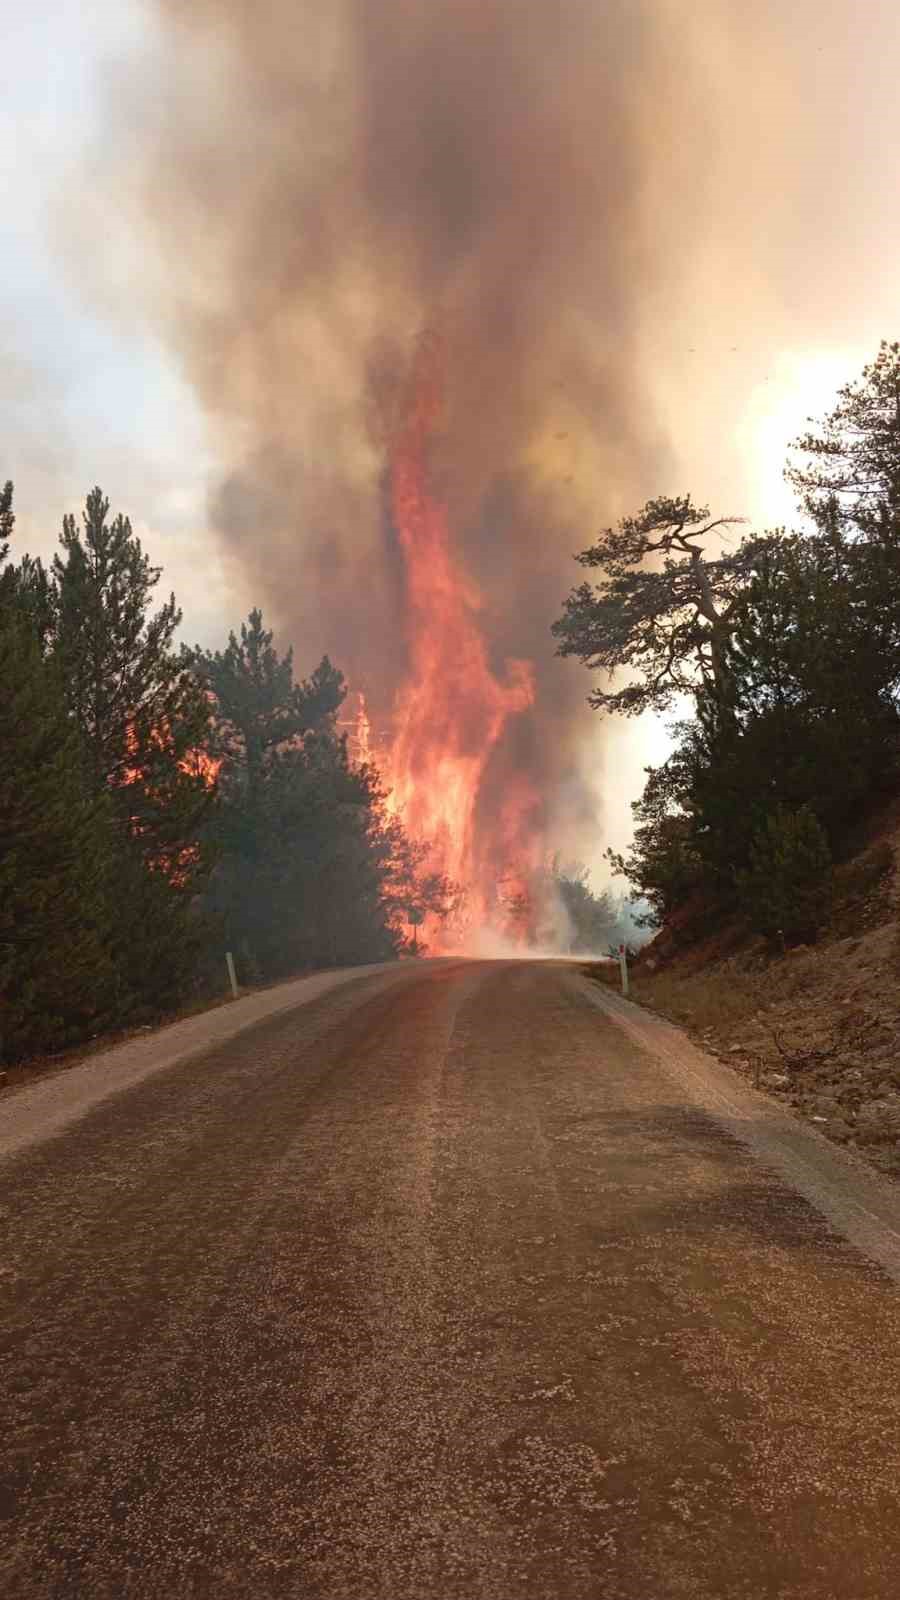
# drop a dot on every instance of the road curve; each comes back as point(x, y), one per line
point(431, 1288)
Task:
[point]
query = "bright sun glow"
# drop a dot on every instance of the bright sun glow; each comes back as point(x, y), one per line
point(801, 385)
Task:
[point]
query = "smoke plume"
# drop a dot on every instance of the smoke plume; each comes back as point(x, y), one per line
point(527, 185)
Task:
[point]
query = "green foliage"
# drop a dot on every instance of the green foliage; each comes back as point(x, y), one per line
point(100, 853)
point(593, 919)
point(663, 863)
point(311, 869)
point(157, 932)
point(121, 679)
point(669, 622)
point(141, 717)
point(139, 710)
point(557, 907)
point(7, 519)
point(847, 472)
point(36, 597)
point(852, 461)
point(127, 769)
point(811, 722)
point(56, 971)
point(259, 709)
point(786, 890)
point(790, 649)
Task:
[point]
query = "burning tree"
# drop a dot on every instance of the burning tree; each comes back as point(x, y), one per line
point(312, 865)
point(140, 713)
point(140, 718)
point(453, 710)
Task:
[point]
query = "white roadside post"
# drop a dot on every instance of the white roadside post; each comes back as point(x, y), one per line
point(623, 968)
point(229, 962)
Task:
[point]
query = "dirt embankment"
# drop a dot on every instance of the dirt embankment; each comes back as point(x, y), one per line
point(817, 1027)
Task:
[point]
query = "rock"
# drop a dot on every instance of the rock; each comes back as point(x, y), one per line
point(826, 1104)
point(879, 1121)
point(778, 1080)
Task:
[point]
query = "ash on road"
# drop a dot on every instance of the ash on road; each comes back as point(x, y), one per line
point(437, 1286)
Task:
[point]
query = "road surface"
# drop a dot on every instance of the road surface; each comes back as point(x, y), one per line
point(441, 1285)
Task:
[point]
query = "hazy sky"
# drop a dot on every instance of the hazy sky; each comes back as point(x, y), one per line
point(779, 228)
point(87, 400)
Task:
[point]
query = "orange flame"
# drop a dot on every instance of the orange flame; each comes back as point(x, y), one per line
point(197, 764)
point(200, 764)
point(453, 710)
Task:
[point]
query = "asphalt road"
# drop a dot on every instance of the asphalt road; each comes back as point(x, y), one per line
point(438, 1286)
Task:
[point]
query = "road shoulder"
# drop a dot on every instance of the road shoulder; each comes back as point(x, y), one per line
point(41, 1109)
point(858, 1202)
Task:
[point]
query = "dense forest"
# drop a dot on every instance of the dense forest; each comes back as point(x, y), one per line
point(160, 805)
point(781, 652)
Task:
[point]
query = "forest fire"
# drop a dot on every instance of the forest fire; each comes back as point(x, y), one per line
point(456, 171)
point(453, 709)
point(198, 766)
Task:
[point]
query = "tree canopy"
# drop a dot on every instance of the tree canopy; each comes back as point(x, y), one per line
point(788, 649)
point(850, 461)
point(310, 865)
point(159, 805)
point(663, 610)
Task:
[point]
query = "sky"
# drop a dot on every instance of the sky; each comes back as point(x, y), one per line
point(769, 156)
point(87, 400)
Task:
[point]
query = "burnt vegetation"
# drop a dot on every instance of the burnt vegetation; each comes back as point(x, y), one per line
point(781, 652)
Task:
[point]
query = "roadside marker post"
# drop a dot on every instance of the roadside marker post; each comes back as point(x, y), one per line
point(623, 968)
point(229, 962)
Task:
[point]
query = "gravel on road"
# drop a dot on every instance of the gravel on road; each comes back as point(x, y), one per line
point(453, 1286)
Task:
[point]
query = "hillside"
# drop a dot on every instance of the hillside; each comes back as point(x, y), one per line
point(817, 1027)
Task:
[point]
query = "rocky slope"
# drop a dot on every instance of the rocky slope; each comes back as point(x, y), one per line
point(817, 1027)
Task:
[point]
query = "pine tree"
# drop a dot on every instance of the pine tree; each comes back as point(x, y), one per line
point(813, 674)
point(56, 972)
point(259, 708)
point(852, 461)
point(140, 711)
point(142, 717)
point(786, 890)
point(311, 868)
point(288, 825)
point(664, 609)
point(847, 472)
point(7, 520)
point(258, 714)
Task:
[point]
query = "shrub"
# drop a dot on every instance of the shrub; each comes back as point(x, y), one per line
point(786, 891)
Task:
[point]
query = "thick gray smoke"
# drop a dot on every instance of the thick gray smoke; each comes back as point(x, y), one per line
point(549, 185)
point(326, 181)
